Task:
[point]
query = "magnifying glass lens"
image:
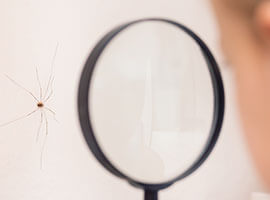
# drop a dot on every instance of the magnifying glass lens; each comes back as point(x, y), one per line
point(151, 102)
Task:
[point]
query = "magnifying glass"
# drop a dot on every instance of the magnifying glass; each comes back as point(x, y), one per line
point(151, 103)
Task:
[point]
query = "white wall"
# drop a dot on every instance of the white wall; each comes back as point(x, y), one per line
point(29, 32)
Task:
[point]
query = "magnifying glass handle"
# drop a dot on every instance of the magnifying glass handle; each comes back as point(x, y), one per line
point(150, 195)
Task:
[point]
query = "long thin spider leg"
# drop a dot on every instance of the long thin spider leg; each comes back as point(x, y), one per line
point(53, 113)
point(49, 89)
point(20, 86)
point(52, 66)
point(45, 140)
point(19, 118)
point(39, 83)
point(50, 110)
point(40, 125)
point(48, 98)
point(51, 92)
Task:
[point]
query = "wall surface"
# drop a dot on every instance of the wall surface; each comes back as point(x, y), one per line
point(30, 31)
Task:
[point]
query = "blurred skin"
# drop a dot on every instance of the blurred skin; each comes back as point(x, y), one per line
point(245, 39)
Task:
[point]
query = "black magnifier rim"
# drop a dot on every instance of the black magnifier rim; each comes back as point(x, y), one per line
point(84, 115)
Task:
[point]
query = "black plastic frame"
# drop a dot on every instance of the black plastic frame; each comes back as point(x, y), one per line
point(84, 116)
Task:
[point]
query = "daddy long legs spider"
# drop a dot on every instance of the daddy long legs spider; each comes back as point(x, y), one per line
point(41, 104)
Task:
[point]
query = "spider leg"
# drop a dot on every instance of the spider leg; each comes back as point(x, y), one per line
point(20, 86)
point(52, 66)
point(45, 140)
point(48, 87)
point(39, 83)
point(51, 92)
point(40, 125)
point(19, 118)
point(52, 112)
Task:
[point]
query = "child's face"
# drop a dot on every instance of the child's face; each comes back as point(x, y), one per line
point(245, 39)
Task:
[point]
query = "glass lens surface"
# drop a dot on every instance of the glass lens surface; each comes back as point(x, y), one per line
point(151, 102)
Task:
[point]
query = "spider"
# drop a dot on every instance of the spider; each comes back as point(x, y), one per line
point(44, 97)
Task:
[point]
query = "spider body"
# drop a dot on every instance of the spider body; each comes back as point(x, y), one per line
point(40, 105)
